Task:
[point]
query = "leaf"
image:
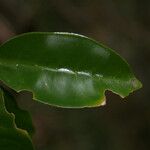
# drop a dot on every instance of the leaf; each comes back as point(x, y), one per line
point(22, 118)
point(11, 137)
point(64, 69)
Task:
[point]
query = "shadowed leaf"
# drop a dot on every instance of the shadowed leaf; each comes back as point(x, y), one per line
point(22, 118)
point(11, 137)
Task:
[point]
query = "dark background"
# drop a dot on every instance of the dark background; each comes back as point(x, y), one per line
point(123, 25)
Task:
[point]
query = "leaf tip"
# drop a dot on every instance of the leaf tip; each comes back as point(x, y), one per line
point(136, 84)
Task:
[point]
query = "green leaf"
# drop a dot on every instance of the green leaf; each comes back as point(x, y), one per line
point(22, 118)
point(64, 69)
point(11, 137)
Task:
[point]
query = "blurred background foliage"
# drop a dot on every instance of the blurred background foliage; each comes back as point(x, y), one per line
point(123, 25)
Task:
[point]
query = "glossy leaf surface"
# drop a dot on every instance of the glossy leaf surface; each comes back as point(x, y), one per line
point(11, 137)
point(64, 69)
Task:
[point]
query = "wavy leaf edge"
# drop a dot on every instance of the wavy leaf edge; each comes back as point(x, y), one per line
point(100, 102)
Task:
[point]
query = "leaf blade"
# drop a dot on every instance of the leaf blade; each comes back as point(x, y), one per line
point(22, 118)
point(64, 69)
point(11, 137)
